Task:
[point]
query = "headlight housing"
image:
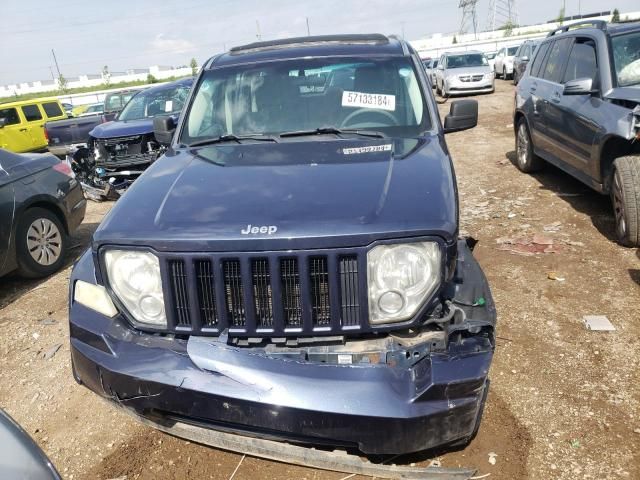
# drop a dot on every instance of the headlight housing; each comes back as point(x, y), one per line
point(400, 277)
point(134, 276)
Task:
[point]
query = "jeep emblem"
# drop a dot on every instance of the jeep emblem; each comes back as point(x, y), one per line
point(252, 229)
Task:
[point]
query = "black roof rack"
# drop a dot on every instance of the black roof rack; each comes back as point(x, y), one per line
point(599, 24)
point(375, 38)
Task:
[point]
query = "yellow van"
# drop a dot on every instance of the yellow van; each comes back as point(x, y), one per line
point(22, 123)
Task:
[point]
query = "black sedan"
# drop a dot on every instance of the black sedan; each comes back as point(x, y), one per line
point(41, 203)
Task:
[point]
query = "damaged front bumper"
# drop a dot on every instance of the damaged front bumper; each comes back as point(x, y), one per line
point(385, 394)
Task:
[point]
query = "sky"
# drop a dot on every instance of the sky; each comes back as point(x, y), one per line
point(126, 34)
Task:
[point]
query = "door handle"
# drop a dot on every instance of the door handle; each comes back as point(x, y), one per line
point(23, 129)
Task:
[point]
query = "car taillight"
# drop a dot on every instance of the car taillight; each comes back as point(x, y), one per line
point(64, 168)
point(46, 134)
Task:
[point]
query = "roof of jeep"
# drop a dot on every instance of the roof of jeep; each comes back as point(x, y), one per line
point(312, 46)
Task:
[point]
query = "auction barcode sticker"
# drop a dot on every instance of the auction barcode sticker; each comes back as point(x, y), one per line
point(369, 149)
point(369, 100)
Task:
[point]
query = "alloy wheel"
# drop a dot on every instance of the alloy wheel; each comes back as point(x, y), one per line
point(44, 241)
point(618, 206)
point(523, 145)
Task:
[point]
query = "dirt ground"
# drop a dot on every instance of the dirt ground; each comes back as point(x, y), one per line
point(564, 401)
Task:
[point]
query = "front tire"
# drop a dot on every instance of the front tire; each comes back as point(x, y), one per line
point(526, 160)
point(40, 242)
point(625, 197)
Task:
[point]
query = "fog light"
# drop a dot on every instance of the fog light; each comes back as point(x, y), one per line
point(391, 302)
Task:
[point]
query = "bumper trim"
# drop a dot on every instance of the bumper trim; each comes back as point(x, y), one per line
point(336, 460)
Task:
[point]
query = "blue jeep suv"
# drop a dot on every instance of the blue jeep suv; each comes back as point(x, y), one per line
point(290, 268)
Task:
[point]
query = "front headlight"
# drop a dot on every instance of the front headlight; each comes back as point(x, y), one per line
point(135, 278)
point(488, 76)
point(400, 278)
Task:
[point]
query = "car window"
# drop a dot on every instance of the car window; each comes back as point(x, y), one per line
point(582, 61)
point(435, 64)
point(155, 102)
point(383, 94)
point(520, 51)
point(52, 109)
point(512, 51)
point(537, 62)
point(626, 58)
point(467, 60)
point(31, 113)
point(556, 59)
point(10, 116)
point(527, 52)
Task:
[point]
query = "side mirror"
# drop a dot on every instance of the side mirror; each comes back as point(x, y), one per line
point(579, 86)
point(524, 59)
point(463, 115)
point(164, 126)
point(3, 122)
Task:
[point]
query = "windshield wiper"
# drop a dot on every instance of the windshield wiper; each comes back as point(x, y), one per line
point(332, 130)
point(230, 137)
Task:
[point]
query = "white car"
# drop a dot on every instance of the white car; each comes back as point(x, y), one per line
point(491, 58)
point(503, 63)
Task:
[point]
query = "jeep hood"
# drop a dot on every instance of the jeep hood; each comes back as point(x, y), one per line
point(318, 193)
point(119, 128)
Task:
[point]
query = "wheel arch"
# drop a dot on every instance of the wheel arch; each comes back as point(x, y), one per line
point(611, 148)
point(46, 205)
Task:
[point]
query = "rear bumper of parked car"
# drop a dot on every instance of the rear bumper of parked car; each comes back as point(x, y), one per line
point(380, 408)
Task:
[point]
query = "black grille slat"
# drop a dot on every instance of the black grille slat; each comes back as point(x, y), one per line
point(349, 291)
point(233, 293)
point(320, 305)
point(291, 302)
point(206, 293)
point(262, 295)
point(180, 293)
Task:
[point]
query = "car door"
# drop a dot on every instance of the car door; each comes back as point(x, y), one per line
point(7, 207)
point(535, 101)
point(14, 134)
point(578, 116)
point(34, 122)
point(552, 113)
point(549, 89)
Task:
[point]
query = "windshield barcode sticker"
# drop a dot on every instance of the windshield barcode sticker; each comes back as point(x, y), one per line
point(374, 148)
point(369, 100)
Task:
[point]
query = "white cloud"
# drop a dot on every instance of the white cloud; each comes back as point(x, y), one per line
point(162, 44)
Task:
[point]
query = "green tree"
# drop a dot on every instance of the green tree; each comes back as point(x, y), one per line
point(560, 19)
point(151, 79)
point(508, 28)
point(194, 66)
point(455, 40)
point(615, 18)
point(62, 84)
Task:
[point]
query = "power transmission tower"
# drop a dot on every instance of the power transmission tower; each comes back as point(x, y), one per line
point(501, 13)
point(469, 21)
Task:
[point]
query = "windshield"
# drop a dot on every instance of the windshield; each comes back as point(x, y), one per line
point(155, 102)
point(511, 51)
point(467, 60)
point(490, 56)
point(626, 57)
point(308, 93)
